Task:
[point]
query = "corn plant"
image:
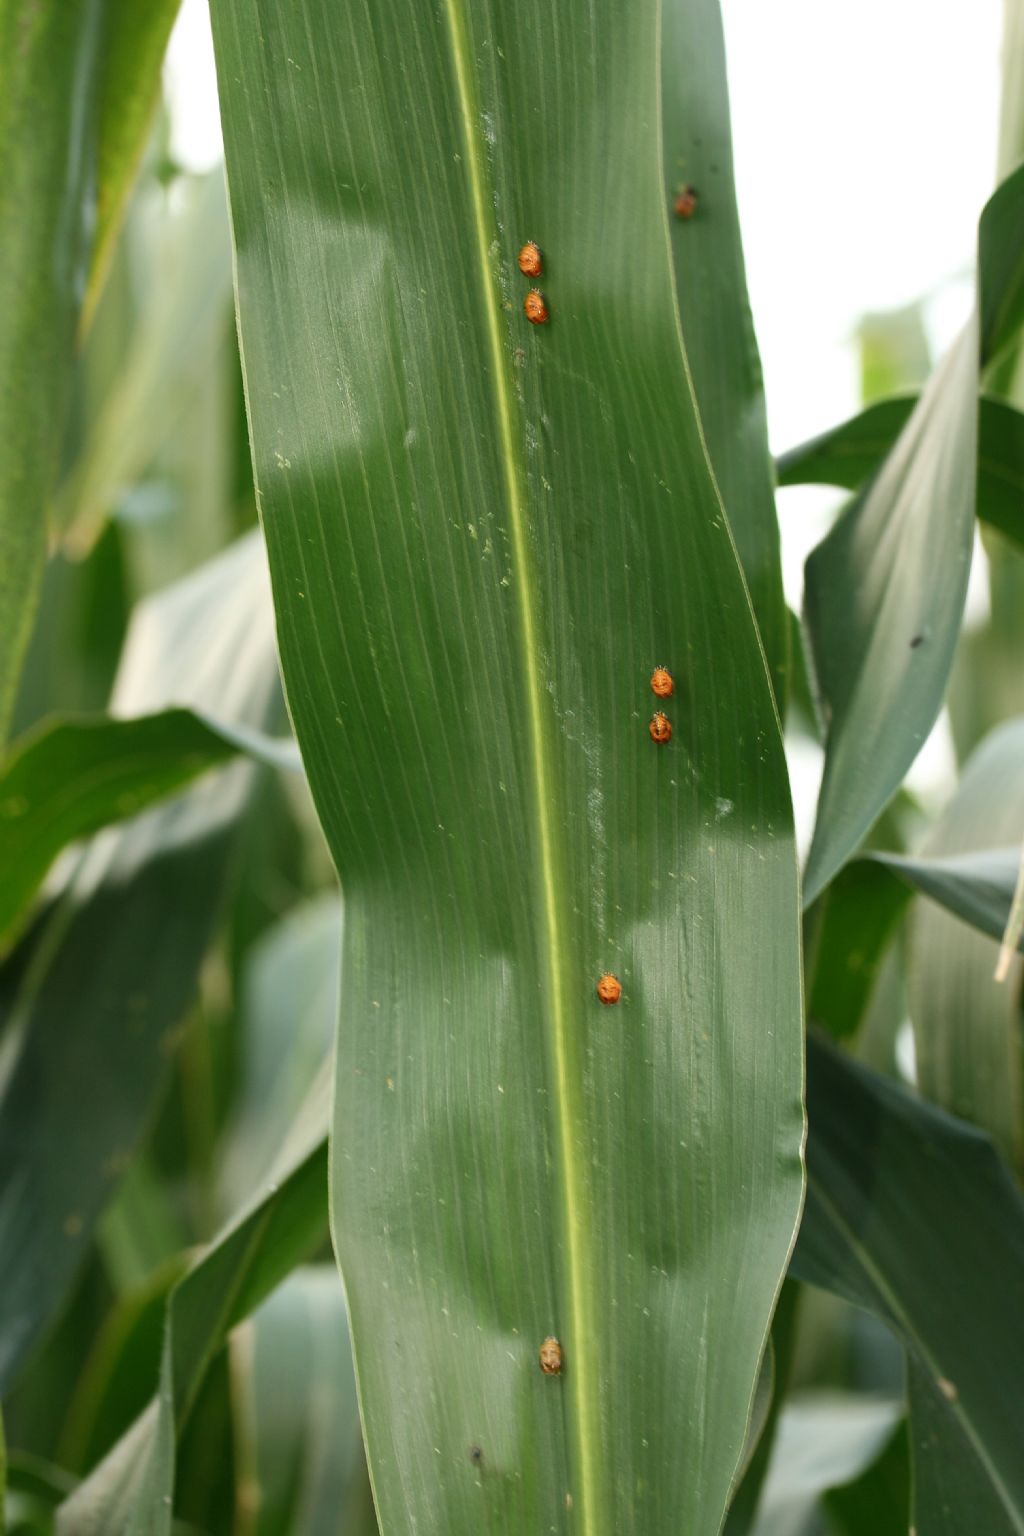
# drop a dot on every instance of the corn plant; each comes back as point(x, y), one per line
point(432, 1096)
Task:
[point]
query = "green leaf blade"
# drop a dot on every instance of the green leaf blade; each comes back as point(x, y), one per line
point(937, 1252)
point(483, 537)
point(717, 324)
point(883, 610)
point(120, 950)
point(966, 1024)
point(80, 81)
point(849, 454)
point(76, 776)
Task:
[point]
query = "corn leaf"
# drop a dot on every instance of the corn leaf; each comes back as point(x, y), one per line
point(966, 1024)
point(885, 589)
point(74, 777)
point(132, 1490)
point(851, 453)
point(977, 887)
point(483, 536)
point(120, 948)
point(80, 80)
point(296, 1401)
point(912, 1215)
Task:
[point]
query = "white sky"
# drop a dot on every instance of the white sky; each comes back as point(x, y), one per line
point(865, 145)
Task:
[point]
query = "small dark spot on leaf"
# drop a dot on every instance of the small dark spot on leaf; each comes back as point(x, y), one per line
point(476, 1455)
point(916, 641)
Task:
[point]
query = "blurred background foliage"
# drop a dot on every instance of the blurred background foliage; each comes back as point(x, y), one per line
point(183, 1138)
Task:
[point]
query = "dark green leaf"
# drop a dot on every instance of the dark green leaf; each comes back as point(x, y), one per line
point(717, 324)
point(977, 887)
point(803, 709)
point(912, 1215)
point(73, 777)
point(132, 1489)
point(80, 626)
point(850, 454)
point(954, 1486)
point(878, 1502)
point(119, 953)
point(1001, 267)
point(860, 912)
point(34, 1489)
point(118, 1378)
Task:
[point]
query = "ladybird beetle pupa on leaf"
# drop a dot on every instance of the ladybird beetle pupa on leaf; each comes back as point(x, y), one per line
point(551, 1357)
point(609, 988)
point(661, 683)
point(531, 262)
point(660, 728)
point(685, 205)
point(535, 307)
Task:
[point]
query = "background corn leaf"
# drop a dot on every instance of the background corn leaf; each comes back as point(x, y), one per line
point(1001, 269)
point(878, 1502)
point(988, 683)
point(134, 42)
point(711, 286)
point(291, 973)
point(72, 658)
point(120, 950)
point(938, 1253)
point(824, 1438)
point(885, 589)
point(156, 389)
point(954, 1489)
point(117, 1381)
point(34, 1489)
point(74, 777)
point(132, 1489)
point(883, 601)
point(293, 1373)
point(850, 453)
point(859, 915)
point(761, 1439)
point(80, 82)
point(967, 1025)
point(479, 552)
point(977, 887)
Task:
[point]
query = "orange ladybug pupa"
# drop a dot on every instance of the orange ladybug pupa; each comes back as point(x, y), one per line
point(661, 683)
point(660, 728)
point(531, 262)
point(685, 205)
point(535, 307)
point(609, 988)
point(551, 1357)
